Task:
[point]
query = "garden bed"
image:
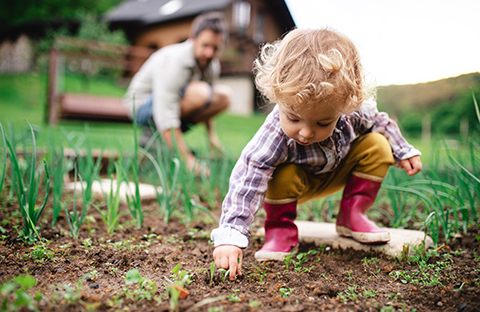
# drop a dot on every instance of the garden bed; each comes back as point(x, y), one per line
point(97, 271)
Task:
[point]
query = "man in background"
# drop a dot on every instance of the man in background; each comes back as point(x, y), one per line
point(174, 87)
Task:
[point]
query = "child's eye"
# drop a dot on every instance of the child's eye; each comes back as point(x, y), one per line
point(292, 119)
point(323, 124)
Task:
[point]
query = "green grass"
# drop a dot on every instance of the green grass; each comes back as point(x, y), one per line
point(24, 96)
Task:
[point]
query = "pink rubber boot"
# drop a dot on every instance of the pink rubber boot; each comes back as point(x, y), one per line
point(281, 234)
point(358, 196)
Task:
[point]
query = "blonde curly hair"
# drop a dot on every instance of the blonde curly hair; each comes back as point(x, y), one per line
point(312, 67)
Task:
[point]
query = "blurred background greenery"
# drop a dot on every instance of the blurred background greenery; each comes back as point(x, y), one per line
point(425, 112)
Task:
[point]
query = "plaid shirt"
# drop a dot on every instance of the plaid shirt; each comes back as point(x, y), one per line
point(270, 147)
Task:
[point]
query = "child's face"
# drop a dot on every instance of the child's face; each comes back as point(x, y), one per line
point(307, 126)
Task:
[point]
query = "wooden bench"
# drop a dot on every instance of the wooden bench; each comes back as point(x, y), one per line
point(126, 59)
point(89, 107)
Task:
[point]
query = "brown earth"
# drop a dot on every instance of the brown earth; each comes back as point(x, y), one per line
point(329, 280)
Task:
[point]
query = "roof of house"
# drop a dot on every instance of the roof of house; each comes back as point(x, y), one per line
point(158, 11)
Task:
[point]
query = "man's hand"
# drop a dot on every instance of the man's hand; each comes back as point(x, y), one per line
point(229, 257)
point(412, 165)
point(216, 144)
point(193, 164)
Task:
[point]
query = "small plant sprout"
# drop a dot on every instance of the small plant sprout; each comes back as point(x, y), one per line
point(233, 297)
point(87, 244)
point(74, 218)
point(180, 277)
point(4, 161)
point(14, 294)
point(70, 295)
point(223, 273)
point(146, 288)
point(285, 292)
point(111, 215)
point(261, 274)
point(27, 193)
point(475, 256)
point(212, 272)
point(135, 201)
point(41, 253)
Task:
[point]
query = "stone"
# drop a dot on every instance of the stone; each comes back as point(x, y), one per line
point(147, 191)
point(322, 233)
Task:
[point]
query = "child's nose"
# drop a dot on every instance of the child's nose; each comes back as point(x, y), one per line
point(306, 132)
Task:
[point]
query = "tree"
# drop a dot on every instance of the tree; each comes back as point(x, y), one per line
point(17, 12)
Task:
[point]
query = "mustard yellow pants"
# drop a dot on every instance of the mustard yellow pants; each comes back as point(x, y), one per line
point(369, 158)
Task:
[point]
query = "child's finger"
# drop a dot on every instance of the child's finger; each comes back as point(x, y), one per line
point(239, 271)
point(233, 267)
point(416, 164)
point(405, 164)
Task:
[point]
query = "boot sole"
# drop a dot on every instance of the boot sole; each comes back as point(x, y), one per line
point(363, 237)
point(273, 255)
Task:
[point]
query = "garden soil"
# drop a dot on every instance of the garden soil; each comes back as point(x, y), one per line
point(89, 273)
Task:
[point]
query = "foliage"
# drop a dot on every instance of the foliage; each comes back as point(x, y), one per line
point(58, 166)
point(14, 294)
point(18, 12)
point(135, 201)
point(446, 103)
point(27, 193)
point(93, 28)
point(88, 168)
point(4, 161)
point(74, 218)
point(112, 214)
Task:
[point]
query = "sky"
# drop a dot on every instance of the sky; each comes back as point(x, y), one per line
point(402, 41)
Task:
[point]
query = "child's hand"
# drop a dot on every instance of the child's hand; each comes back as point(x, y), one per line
point(229, 257)
point(412, 165)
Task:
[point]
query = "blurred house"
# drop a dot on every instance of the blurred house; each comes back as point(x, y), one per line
point(158, 23)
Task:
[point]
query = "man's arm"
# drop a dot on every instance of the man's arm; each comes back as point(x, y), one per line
point(183, 149)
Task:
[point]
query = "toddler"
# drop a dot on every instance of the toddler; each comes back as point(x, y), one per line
point(323, 135)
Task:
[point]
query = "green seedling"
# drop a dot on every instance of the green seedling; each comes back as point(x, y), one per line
point(41, 253)
point(167, 197)
point(223, 273)
point(175, 287)
point(301, 259)
point(146, 288)
point(87, 166)
point(349, 276)
point(74, 218)
point(475, 256)
point(14, 294)
point(285, 292)
point(260, 273)
point(27, 195)
point(111, 215)
point(180, 277)
point(4, 163)
point(212, 272)
point(70, 295)
point(134, 202)
point(348, 294)
point(59, 166)
point(369, 293)
point(87, 244)
point(288, 261)
point(233, 297)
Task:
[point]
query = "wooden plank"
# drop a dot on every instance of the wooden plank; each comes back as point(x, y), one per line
point(95, 107)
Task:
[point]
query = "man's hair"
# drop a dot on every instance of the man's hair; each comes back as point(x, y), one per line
point(311, 67)
point(214, 21)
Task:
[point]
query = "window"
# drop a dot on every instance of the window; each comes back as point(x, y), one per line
point(241, 15)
